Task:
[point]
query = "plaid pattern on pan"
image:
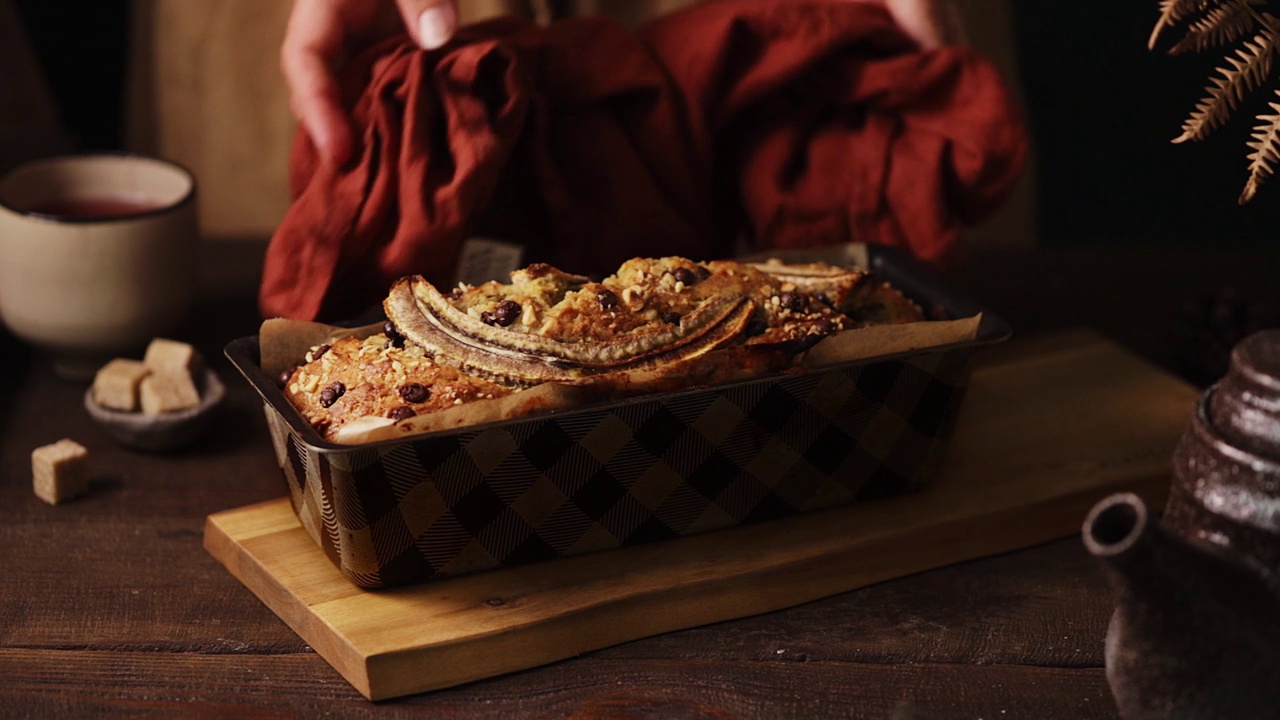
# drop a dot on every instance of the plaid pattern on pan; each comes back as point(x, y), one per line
point(639, 471)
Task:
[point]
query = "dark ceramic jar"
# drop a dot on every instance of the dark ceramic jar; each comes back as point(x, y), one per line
point(1244, 408)
point(1226, 487)
point(1196, 630)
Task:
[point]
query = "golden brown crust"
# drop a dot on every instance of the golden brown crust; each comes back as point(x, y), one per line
point(647, 293)
point(879, 303)
point(655, 324)
point(355, 378)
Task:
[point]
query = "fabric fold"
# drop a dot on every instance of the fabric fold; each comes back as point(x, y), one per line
point(735, 123)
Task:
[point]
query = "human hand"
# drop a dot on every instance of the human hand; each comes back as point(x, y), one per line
point(321, 33)
point(320, 36)
point(931, 23)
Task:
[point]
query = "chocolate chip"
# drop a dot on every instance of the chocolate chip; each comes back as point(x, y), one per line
point(506, 312)
point(393, 334)
point(607, 298)
point(401, 412)
point(671, 317)
point(825, 299)
point(330, 395)
point(283, 379)
point(685, 275)
point(821, 329)
point(455, 294)
point(809, 341)
point(792, 301)
point(415, 392)
point(487, 318)
point(539, 269)
point(702, 272)
point(756, 327)
point(315, 354)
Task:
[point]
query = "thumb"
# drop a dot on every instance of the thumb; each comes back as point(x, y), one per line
point(430, 22)
point(931, 23)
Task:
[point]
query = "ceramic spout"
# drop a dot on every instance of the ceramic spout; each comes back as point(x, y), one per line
point(1140, 557)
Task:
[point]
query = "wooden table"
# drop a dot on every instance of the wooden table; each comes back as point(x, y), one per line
point(112, 607)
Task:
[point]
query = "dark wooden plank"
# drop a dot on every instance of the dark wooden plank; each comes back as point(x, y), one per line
point(1012, 611)
point(126, 585)
point(123, 564)
point(77, 684)
point(1046, 609)
point(1047, 606)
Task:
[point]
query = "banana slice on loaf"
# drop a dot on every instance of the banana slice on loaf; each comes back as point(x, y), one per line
point(655, 323)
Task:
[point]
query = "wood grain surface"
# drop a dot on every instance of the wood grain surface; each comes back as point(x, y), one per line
point(112, 608)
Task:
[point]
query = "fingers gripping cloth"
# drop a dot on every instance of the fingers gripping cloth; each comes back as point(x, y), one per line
point(774, 124)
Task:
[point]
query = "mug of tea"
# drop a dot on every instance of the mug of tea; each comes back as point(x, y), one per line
point(97, 255)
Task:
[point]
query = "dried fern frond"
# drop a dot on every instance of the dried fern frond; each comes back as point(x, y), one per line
point(1171, 11)
point(1242, 74)
point(1266, 151)
point(1219, 26)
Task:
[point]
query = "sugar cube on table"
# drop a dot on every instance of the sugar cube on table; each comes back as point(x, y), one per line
point(59, 471)
point(115, 386)
point(162, 392)
point(171, 356)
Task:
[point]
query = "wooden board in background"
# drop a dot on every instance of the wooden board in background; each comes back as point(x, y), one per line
point(1048, 428)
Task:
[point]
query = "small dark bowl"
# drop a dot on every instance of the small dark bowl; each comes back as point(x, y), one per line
point(164, 432)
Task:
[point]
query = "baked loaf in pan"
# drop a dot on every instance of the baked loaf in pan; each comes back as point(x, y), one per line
point(655, 324)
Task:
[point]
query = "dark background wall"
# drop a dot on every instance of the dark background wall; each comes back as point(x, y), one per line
point(1101, 107)
point(82, 47)
point(1103, 110)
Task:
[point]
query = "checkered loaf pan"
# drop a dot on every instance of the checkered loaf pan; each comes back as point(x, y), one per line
point(639, 471)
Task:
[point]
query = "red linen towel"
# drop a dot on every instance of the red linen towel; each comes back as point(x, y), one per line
point(777, 124)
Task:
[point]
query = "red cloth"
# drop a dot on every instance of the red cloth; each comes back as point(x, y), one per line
point(784, 124)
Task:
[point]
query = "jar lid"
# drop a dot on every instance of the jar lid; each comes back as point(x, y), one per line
point(1245, 405)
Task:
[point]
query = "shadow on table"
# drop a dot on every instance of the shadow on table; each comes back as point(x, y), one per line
point(15, 358)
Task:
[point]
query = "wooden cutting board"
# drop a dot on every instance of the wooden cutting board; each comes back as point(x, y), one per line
point(1049, 427)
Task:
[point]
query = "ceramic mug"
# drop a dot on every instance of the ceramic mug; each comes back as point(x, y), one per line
point(97, 255)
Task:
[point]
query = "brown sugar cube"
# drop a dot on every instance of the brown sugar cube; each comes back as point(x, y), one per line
point(171, 356)
point(116, 384)
point(162, 392)
point(58, 471)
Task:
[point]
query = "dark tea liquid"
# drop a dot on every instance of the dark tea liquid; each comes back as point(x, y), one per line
point(92, 208)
